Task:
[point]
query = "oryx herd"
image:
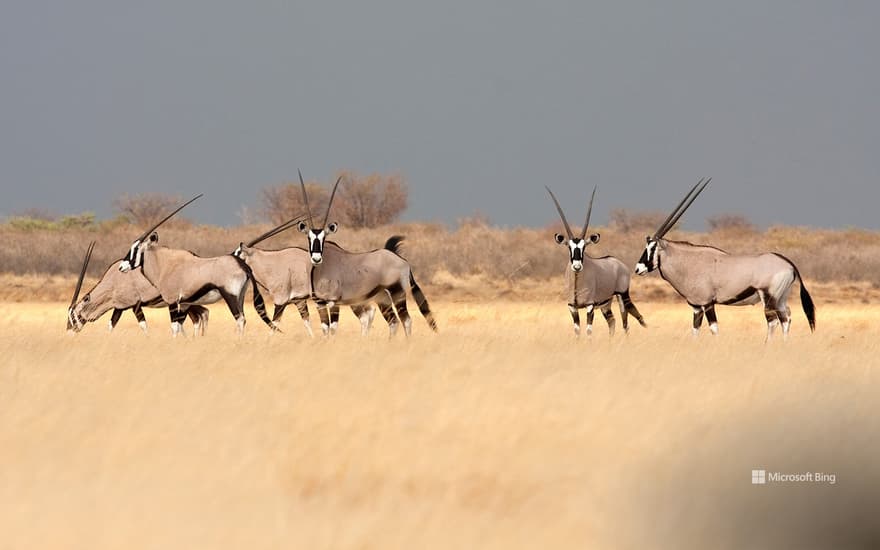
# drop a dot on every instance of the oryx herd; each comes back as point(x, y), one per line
point(154, 275)
point(158, 276)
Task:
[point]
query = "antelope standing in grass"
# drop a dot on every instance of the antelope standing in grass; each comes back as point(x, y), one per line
point(706, 276)
point(121, 291)
point(593, 282)
point(339, 277)
point(184, 279)
point(285, 276)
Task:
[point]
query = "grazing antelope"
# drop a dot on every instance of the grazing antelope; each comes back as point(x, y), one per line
point(121, 291)
point(706, 276)
point(594, 282)
point(184, 279)
point(339, 277)
point(285, 276)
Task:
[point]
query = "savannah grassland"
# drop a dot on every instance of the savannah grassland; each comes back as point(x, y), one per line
point(501, 431)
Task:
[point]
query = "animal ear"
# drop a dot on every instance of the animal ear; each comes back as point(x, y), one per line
point(594, 238)
point(648, 239)
point(303, 227)
point(332, 227)
point(154, 237)
point(559, 238)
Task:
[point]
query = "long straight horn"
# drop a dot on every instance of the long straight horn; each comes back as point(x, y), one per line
point(276, 230)
point(665, 226)
point(561, 214)
point(687, 205)
point(168, 217)
point(306, 199)
point(589, 211)
point(82, 274)
point(329, 204)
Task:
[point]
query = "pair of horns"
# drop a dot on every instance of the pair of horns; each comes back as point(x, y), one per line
point(681, 208)
point(306, 200)
point(272, 232)
point(82, 274)
point(562, 214)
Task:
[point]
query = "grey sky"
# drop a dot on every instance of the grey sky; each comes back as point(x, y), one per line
point(478, 104)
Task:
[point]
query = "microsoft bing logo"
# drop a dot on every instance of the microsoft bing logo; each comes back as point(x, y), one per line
point(759, 477)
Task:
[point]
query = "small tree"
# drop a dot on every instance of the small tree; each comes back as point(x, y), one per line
point(627, 220)
point(285, 201)
point(145, 208)
point(361, 201)
point(370, 201)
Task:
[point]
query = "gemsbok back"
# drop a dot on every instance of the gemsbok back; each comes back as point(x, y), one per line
point(593, 282)
point(706, 276)
point(285, 273)
point(184, 279)
point(122, 291)
point(339, 277)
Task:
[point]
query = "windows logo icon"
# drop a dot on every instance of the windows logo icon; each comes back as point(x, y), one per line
point(759, 477)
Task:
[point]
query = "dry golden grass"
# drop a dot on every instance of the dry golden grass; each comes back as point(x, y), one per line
point(502, 431)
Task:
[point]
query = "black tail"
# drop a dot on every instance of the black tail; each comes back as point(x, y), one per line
point(631, 308)
point(806, 299)
point(259, 304)
point(420, 299)
point(393, 243)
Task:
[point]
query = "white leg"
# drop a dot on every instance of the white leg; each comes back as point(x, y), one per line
point(175, 329)
point(366, 320)
point(589, 324)
point(407, 326)
point(239, 325)
point(143, 325)
point(714, 328)
point(325, 328)
point(333, 326)
point(308, 326)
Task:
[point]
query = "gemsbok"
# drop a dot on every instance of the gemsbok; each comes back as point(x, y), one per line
point(122, 291)
point(706, 276)
point(593, 282)
point(339, 277)
point(284, 274)
point(184, 279)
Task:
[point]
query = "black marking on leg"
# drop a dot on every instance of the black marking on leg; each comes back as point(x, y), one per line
point(398, 296)
point(114, 317)
point(422, 302)
point(279, 311)
point(698, 317)
point(631, 308)
point(710, 315)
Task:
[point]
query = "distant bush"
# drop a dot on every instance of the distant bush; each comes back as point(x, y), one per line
point(146, 208)
point(726, 222)
point(74, 221)
point(626, 220)
point(361, 201)
point(370, 201)
point(285, 201)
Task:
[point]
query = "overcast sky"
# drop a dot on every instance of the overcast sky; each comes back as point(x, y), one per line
point(477, 104)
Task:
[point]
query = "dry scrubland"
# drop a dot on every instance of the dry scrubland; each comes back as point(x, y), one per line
point(499, 432)
point(472, 261)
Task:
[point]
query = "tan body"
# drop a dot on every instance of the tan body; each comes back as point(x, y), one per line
point(706, 276)
point(348, 278)
point(184, 279)
point(121, 291)
point(285, 275)
point(598, 282)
